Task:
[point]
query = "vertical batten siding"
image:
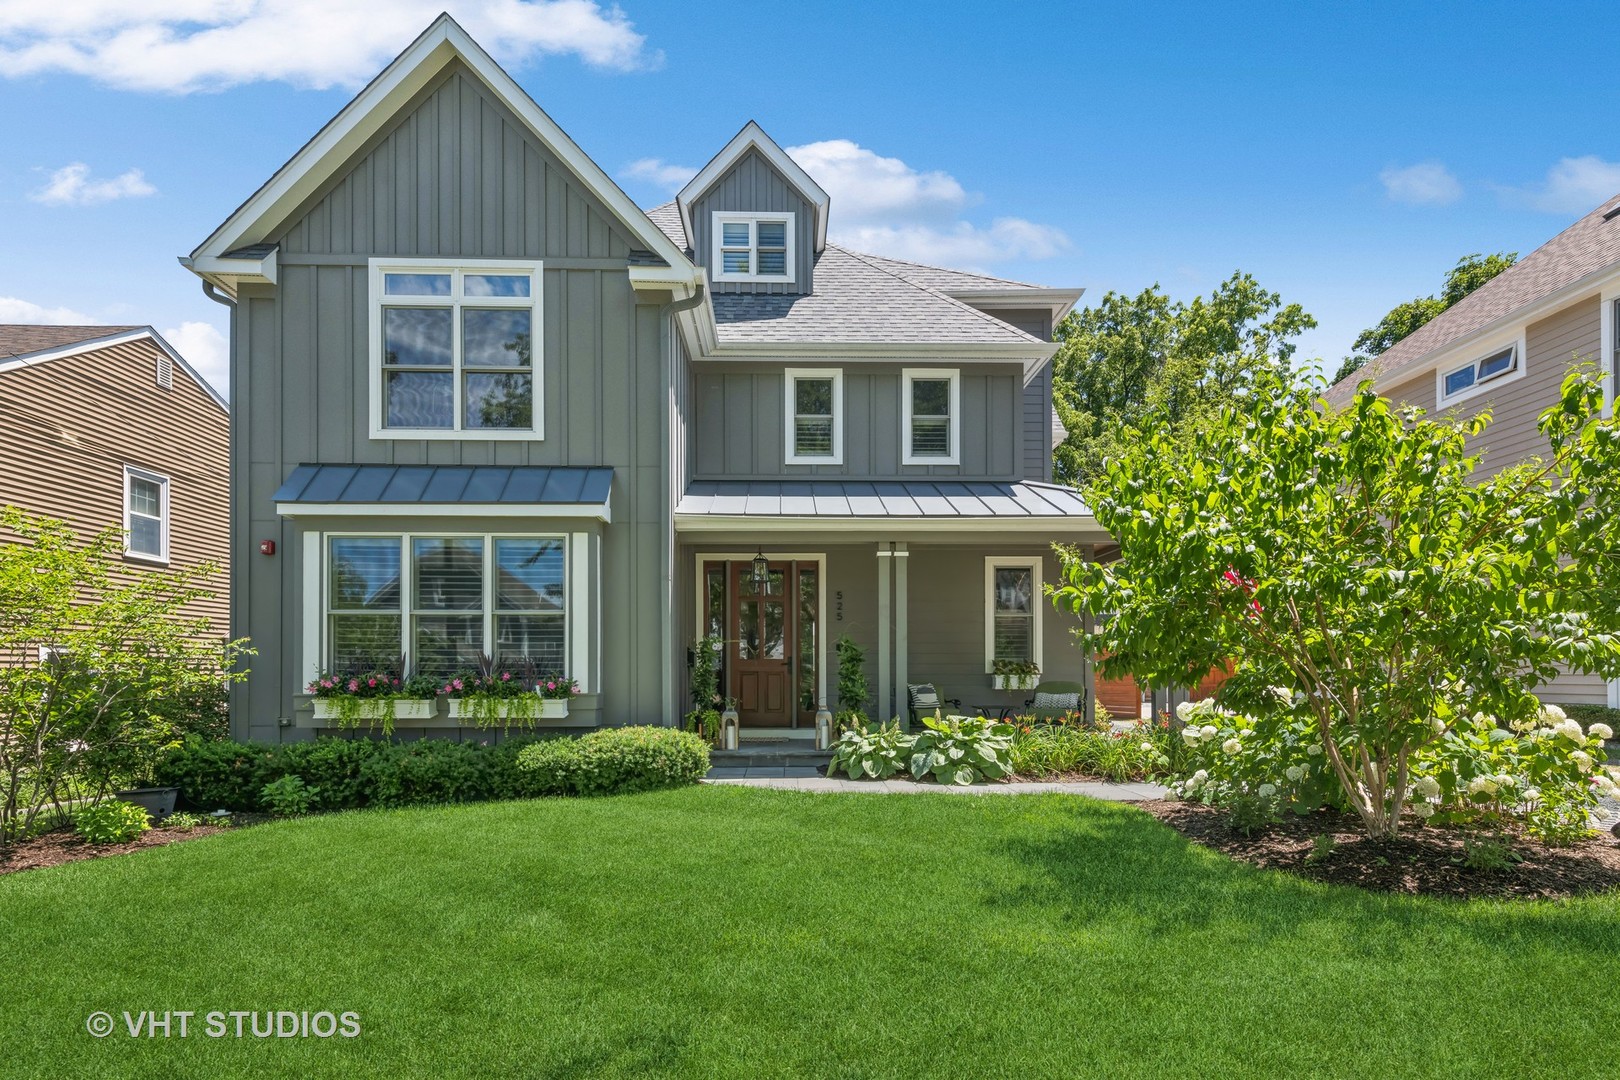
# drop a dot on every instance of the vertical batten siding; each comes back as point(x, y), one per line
point(74, 423)
point(753, 185)
point(740, 433)
point(455, 176)
point(1035, 448)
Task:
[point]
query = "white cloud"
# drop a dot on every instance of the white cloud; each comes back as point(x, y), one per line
point(659, 173)
point(182, 46)
point(14, 310)
point(1573, 186)
point(1428, 183)
point(71, 185)
point(206, 350)
point(883, 205)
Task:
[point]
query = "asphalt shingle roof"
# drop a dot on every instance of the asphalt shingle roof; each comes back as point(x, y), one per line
point(21, 339)
point(1584, 248)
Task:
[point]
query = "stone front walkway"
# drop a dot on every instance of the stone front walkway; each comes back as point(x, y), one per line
point(1096, 789)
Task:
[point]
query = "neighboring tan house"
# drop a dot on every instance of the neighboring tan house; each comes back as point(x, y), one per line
point(106, 426)
point(468, 362)
point(1508, 346)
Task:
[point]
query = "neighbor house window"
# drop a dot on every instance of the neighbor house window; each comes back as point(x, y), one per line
point(455, 350)
point(1012, 610)
point(932, 407)
point(1492, 366)
point(753, 247)
point(146, 515)
point(814, 420)
point(468, 597)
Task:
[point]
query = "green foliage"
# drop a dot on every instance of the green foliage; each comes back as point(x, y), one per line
point(1322, 846)
point(1020, 673)
point(184, 821)
point(961, 749)
point(111, 821)
point(877, 754)
point(1488, 853)
point(704, 719)
point(1127, 357)
point(614, 761)
point(100, 672)
point(1403, 319)
point(1310, 546)
point(1079, 749)
point(853, 689)
point(288, 796)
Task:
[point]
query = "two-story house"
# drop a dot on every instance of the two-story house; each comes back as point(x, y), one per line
point(108, 427)
point(1507, 347)
point(489, 406)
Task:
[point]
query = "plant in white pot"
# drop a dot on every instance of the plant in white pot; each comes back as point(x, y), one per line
point(1015, 674)
point(504, 695)
point(375, 698)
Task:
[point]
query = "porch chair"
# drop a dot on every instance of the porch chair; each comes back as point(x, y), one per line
point(1055, 700)
point(924, 700)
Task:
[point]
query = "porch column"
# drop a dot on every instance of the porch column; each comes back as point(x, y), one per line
point(1088, 666)
point(885, 687)
point(901, 645)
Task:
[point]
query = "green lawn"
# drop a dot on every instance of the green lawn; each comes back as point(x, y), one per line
point(735, 932)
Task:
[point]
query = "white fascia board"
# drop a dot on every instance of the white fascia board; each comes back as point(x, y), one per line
point(1058, 301)
point(1051, 524)
point(122, 338)
point(378, 104)
point(1032, 356)
point(589, 511)
point(228, 273)
point(752, 136)
point(678, 279)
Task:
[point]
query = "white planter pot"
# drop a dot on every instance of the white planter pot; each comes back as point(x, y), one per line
point(377, 709)
point(519, 709)
point(1013, 682)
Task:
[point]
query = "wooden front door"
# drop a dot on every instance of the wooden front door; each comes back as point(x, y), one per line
point(761, 645)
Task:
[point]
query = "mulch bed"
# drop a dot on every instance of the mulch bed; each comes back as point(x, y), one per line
point(64, 846)
point(1426, 861)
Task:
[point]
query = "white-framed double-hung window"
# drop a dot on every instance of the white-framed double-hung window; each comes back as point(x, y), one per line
point(814, 416)
point(455, 349)
point(932, 408)
point(1012, 610)
point(146, 515)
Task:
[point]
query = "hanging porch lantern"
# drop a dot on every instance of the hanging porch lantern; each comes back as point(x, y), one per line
point(762, 571)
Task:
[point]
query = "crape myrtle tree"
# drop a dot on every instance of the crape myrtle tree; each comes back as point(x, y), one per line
point(1361, 574)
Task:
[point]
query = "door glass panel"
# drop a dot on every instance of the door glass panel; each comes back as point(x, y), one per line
point(748, 642)
point(774, 646)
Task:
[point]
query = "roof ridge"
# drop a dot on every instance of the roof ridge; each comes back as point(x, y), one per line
point(947, 269)
point(984, 316)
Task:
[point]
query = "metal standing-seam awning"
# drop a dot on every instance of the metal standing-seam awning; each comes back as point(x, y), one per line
point(446, 491)
point(928, 504)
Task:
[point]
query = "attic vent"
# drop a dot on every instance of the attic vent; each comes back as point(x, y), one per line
point(1612, 214)
point(165, 373)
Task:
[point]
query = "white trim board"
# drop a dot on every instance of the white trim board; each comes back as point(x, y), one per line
point(1515, 341)
point(952, 376)
point(1048, 524)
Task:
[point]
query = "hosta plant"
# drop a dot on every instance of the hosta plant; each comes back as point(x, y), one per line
point(961, 749)
point(872, 753)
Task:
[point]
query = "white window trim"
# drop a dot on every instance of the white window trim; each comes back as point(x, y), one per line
point(790, 415)
point(318, 596)
point(456, 268)
point(1608, 343)
point(1515, 342)
point(991, 562)
point(717, 270)
point(909, 375)
point(132, 473)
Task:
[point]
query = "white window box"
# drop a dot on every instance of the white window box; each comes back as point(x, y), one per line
point(381, 708)
point(515, 709)
point(1014, 682)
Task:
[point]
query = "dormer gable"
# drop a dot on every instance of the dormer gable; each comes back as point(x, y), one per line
point(756, 220)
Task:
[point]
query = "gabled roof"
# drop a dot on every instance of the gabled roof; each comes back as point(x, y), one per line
point(1566, 264)
point(221, 258)
point(77, 340)
point(753, 137)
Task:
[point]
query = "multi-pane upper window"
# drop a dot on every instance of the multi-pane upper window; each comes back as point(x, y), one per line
point(1012, 610)
point(1492, 366)
point(469, 596)
point(753, 247)
point(146, 515)
point(814, 416)
point(456, 350)
point(932, 408)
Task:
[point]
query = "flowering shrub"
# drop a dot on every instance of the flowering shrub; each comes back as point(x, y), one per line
point(1546, 771)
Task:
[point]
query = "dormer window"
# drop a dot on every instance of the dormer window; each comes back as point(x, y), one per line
point(1462, 381)
point(753, 247)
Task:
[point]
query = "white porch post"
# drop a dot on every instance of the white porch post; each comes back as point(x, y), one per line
point(901, 645)
point(1088, 666)
point(885, 687)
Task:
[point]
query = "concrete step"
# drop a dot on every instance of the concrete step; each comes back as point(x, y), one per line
point(770, 755)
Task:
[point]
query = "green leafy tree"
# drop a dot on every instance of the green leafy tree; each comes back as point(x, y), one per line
point(98, 671)
point(1470, 273)
point(1132, 355)
point(1352, 562)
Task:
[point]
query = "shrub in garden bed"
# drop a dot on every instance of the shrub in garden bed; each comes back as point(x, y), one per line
point(1046, 750)
point(112, 821)
point(614, 761)
point(956, 750)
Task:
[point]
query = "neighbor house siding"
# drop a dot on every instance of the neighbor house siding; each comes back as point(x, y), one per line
point(740, 432)
point(74, 423)
point(754, 186)
point(457, 176)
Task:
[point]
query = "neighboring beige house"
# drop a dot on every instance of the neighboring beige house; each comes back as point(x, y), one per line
point(1508, 346)
point(108, 426)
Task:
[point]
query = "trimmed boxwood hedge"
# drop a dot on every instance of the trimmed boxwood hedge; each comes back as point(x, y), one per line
point(348, 773)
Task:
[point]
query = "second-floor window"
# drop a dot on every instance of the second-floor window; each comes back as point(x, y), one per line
point(455, 349)
point(146, 515)
point(932, 407)
point(1495, 365)
point(814, 417)
point(752, 247)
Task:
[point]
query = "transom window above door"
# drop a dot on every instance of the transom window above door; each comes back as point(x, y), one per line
point(932, 411)
point(455, 350)
point(814, 419)
point(752, 247)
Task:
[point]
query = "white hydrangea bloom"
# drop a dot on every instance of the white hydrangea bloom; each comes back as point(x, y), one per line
point(1601, 731)
point(1482, 785)
point(1531, 794)
point(1201, 775)
point(1294, 773)
point(1582, 759)
point(1148, 747)
point(1438, 725)
point(1427, 786)
point(1424, 810)
point(1570, 730)
point(1232, 746)
point(1283, 694)
point(1267, 790)
point(1190, 735)
point(1209, 731)
point(1314, 749)
point(1552, 714)
point(1184, 711)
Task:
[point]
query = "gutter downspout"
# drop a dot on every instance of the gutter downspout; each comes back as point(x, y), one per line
point(666, 324)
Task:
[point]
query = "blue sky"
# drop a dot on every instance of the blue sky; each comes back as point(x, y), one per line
point(1347, 158)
